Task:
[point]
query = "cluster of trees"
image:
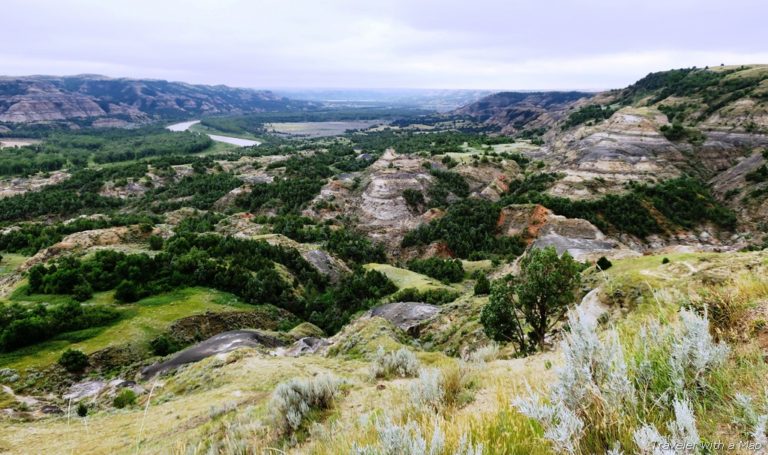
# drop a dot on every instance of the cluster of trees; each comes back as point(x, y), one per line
point(469, 229)
point(80, 193)
point(445, 270)
point(354, 247)
point(237, 124)
point(686, 201)
point(433, 143)
point(357, 292)
point(76, 195)
point(677, 132)
point(199, 191)
point(26, 160)
point(714, 88)
point(150, 145)
point(414, 199)
point(681, 82)
point(284, 195)
point(202, 222)
point(54, 200)
point(431, 296)
point(677, 112)
point(589, 113)
point(758, 175)
point(348, 244)
point(74, 150)
point(23, 325)
point(535, 135)
point(445, 184)
point(29, 238)
point(521, 160)
point(469, 226)
point(304, 176)
point(254, 122)
point(245, 268)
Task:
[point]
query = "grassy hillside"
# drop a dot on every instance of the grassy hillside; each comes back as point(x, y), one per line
point(138, 323)
point(223, 402)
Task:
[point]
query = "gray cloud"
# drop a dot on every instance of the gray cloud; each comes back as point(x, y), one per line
point(542, 44)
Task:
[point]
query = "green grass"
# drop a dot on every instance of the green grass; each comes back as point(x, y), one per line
point(138, 321)
point(406, 279)
point(471, 267)
point(200, 128)
point(650, 268)
point(219, 147)
point(20, 295)
point(10, 262)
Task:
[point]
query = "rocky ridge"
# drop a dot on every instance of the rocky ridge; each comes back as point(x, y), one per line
point(112, 102)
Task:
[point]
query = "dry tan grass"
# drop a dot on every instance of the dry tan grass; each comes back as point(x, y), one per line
point(730, 305)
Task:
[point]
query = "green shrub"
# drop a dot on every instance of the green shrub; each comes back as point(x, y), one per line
point(604, 263)
point(73, 361)
point(294, 401)
point(164, 345)
point(82, 292)
point(482, 285)
point(127, 291)
point(401, 363)
point(758, 175)
point(125, 398)
point(156, 242)
point(414, 199)
point(82, 409)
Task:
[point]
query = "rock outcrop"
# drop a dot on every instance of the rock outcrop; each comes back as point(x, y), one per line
point(218, 344)
point(407, 316)
point(377, 200)
point(542, 228)
point(81, 241)
point(21, 185)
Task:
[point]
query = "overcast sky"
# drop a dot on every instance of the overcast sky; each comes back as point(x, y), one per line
point(489, 44)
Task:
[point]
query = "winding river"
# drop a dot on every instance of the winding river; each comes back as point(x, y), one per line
point(184, 126)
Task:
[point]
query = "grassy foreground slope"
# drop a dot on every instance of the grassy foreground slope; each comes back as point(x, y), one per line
point(221, 405)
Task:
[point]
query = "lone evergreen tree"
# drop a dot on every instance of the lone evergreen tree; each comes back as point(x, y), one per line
point(523, 309)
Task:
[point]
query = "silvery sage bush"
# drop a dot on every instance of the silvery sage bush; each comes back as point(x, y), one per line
point(401, 363)
point(293, 400)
